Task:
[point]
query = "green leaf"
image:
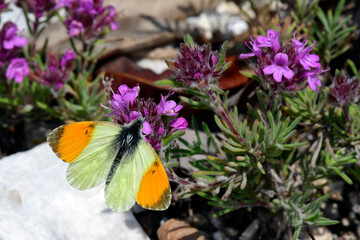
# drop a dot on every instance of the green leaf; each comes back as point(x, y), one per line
point(220, 213)
point(342, 175)
point(322, 221)
point(188, 40)
point(222, 56)
point(172, 137)
point(168, 82)
point(297, 232)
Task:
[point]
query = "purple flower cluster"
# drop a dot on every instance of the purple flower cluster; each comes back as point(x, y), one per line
point(344, 89)
point(88, 19)
point(285, 68)
point(160, 120)
point(57, 71)
point(37, 7)
point(3, 5)
point(196, 66)
point(10, 46)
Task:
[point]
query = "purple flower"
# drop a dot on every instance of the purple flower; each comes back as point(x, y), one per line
point(256, 50)
point(279, 68)
point(179, 123)
point(88, 19)
point(37, 7)
point(344, 89)
point(17, 69)
point(196, 66)
point(168, 107)
point(67, 59)
point(313, 80)
point(285, 68)
point(76, 28)
point(9, 37)
point(125, 98)
point(159, 120)
point(57, 71)
point(272, 40)
point(3, 5)
point(10, 42)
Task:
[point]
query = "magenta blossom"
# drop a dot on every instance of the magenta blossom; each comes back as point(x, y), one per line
point(159, 120)
point(76, 28)
point(3, 5)
point(17, 69)
point(279, 68)
point(196, 66)
point(272, 40)
point(57, 71)
point(37, 7)
point(285, 68)
point(168, 107)
point(88, 19)
point(179, 123)
point(344, 89)
point(10, 42)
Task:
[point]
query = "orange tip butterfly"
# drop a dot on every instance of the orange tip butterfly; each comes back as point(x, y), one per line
point(107, 152)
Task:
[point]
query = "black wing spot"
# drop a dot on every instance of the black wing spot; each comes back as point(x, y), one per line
point(153, 171)
point(86, 132)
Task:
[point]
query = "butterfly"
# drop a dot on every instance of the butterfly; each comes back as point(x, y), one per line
point(116, 154)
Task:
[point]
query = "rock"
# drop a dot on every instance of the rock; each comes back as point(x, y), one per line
point(214, 24)
point(251, 230)
point(347, 236)
point(322, 233)
point(174, 229)
point(36, 202)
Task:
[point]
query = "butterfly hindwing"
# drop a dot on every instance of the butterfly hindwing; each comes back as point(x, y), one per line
point(119, 189)
point(153, 189)
point(89, 148)
point(141, 177)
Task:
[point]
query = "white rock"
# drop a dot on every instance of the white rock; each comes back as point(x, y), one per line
point(36, 202)
point(227, 8)
point(212, 22)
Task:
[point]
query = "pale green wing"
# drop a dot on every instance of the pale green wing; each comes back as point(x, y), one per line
point(119, 192)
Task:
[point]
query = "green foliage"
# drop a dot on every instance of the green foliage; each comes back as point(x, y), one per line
point(273, 156)
point(334, 35)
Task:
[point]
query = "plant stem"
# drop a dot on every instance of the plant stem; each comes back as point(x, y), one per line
point(224, 114)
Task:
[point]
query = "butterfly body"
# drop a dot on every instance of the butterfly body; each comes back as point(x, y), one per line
point(100, 152)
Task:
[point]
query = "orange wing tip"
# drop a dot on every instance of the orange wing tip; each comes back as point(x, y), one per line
point(154, 192)
point(68, 141)
point(162, 204)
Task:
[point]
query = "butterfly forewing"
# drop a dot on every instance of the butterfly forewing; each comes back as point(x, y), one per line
point(89, 148)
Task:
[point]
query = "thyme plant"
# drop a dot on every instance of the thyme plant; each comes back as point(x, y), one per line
point(266, 159)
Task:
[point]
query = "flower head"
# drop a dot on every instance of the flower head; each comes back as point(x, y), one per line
point(10, 42)
point(37, 7)
point(3, 5)
point(57, 71)
point(88, 19)
point(285, 68)
point(159, 120)
point(17, 69)
point(279, 68)
point(271, 40)
point(169, 108)
point(344, 89)
point(196, 66)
